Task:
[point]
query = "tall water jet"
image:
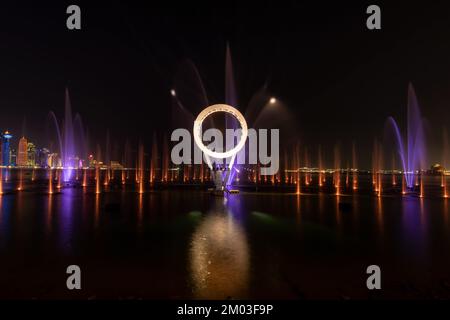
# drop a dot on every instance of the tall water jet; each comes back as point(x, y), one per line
point(355, 168)
point(379, 169)
point(106, 178)
point(58, 174)
point(337, 170)
point(375, 165)
point(84, 177)
point(153, 159)
point(404, 187)
point(66, 138)
point(307, 179)
point(123, 176)
point(165, 162)
point(107, 157)
point(297, 168)
point(127, 158)
point(421, 194)
point(413, 160)
point(50, 181)
point(97, 171)
point(444, 162)
point(377, 160)
point(347, 176)
point(286, 167)
point(97, 179)
point(69, 147)
point(230, 89)
point(321, 175)
point(202, 172)
point(141, 168)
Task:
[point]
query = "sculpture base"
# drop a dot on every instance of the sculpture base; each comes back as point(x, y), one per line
point(221, 193)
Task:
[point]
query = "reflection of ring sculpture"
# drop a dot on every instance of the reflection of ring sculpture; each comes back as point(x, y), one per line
point(198, 130)
point(219, 258)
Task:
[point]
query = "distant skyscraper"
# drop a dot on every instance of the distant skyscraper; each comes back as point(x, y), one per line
point(31, 154)
point(13, 157)
point(6, 159)
point(22, 152)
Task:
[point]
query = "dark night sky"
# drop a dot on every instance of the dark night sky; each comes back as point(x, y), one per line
point(339, 80)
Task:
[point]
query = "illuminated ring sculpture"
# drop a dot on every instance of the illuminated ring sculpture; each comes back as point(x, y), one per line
point(198, 130)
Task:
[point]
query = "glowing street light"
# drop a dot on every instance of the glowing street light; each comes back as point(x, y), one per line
point(173, 93)
point(273, 100)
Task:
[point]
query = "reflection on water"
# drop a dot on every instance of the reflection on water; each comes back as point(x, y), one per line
point(66, 219)
point(251, 245)
point(97, 209)
point(379, 213)
point(414, 227)
point(219, 256)
point(446, 211)
point(48, 219)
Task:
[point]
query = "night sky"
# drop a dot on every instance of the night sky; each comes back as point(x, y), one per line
point(339, 80)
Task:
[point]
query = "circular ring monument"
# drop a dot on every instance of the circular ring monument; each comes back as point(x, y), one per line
point(198, 130)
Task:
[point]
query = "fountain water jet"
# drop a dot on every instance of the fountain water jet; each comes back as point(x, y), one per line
point(444, 162)
point(413, 159)
point(153, 159)
point(50, 181)
point(141, 168)
point(97, 179)
point(66, 138)
point(337, 170)
point(84, 177)
point(354, 165)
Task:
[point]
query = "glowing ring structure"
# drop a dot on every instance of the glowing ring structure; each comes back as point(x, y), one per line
point(198, 130)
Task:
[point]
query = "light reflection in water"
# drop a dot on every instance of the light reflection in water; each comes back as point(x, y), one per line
point(338, 212)
point(97, 209)
point(298, 207)
point(140, 211)
point(49, 214)
point(66, 226)
point(414, 227)
point(321, 206)
point(379, 213)
point(1, 211)
point(6, 208)
point(219, 256)
point(446, 212)
point(355, 212)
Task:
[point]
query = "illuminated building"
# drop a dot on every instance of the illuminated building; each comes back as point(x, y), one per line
point(22, 152)
point(437, 169)
point(12, 157)
point(42, 157)
point(91, 161)
point(53, 160)
point(6, 152)
point(115, 165)
point(31, 154)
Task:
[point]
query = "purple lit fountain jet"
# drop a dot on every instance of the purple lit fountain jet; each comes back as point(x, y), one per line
point(413, 156)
